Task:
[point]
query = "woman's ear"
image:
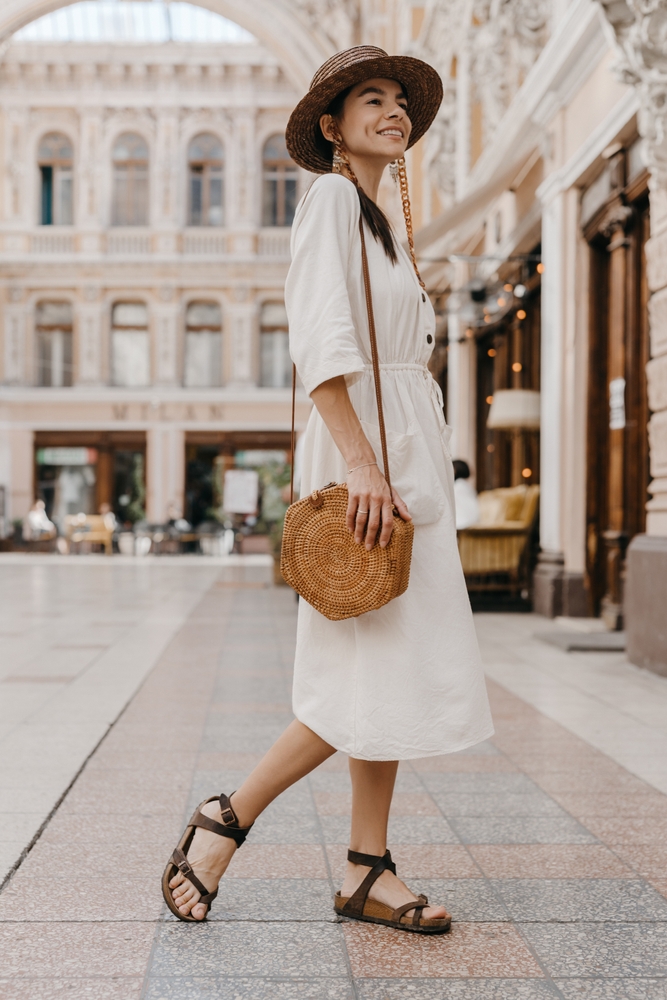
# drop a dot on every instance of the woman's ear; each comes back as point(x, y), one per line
point(326, 122)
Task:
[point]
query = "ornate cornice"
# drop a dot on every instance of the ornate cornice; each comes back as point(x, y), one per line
point(640, 30)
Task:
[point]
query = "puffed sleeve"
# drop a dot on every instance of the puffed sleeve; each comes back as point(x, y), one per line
point(322, 336)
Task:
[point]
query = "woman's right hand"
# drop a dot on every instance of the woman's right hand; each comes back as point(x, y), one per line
point(370, 506)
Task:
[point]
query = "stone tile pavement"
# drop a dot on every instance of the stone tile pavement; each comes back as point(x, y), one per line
point(549, 853)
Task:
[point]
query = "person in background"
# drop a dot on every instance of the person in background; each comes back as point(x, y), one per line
point(465, 495)
point(36, 526)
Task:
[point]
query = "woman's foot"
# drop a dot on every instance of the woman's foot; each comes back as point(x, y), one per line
point(209, 855)
point(387, 889)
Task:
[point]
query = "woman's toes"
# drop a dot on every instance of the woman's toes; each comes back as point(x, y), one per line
point(198, 911)
point(177, 880)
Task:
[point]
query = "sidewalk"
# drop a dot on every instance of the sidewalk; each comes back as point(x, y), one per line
point(549, 853)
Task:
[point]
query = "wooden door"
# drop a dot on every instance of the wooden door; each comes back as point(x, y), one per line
point(617, 440)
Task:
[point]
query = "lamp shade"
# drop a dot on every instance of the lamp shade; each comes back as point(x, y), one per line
point(515, 409)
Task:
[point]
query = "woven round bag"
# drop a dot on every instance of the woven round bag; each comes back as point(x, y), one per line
point(322, 562)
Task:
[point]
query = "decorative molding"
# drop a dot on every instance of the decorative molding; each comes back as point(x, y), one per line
point(640, 28)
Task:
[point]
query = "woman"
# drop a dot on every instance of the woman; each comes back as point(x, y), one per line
point(405, 681)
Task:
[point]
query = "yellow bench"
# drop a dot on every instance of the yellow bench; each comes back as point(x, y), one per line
point(494, 553)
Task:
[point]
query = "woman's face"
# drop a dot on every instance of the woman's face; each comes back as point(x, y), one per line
point(374, 122)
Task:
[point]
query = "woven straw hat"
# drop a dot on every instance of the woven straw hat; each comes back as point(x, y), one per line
point(423, 87)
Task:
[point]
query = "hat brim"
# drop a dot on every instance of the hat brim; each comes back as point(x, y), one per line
point(423, 86)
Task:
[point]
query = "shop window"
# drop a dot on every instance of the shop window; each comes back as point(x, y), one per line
point(275, 363)
point(281, 175)
point(66, 480)
point(203, 345)
point(130, 181)
point(205, 180)
point(130, 348)
point(53, 325)
point(55, 166)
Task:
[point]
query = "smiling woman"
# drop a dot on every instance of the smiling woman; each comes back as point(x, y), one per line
point(403, 681)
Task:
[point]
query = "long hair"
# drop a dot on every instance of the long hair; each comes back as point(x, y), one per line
point(377, 222)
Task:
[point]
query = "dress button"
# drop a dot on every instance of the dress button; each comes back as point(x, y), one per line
point(429, 338)
point(423, 297)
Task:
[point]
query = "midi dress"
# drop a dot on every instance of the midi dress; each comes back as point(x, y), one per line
point(404, 681)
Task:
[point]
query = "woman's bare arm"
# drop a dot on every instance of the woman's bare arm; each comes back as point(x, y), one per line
point(367, 487)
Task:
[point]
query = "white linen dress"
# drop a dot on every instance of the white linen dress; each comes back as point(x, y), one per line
point(405, 681)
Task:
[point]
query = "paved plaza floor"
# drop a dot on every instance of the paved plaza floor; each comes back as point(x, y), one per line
point(129, 692)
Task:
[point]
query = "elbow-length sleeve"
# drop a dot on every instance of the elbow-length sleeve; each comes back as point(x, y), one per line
point(322, 335)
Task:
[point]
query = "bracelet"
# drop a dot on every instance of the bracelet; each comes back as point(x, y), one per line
point(356, 469)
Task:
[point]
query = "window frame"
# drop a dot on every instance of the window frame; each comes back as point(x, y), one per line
point(60, 171)
point(133, 194)
point(207, 166)
point(47, 330)
point(277, 172)
point(130, 328)
point(195, 328)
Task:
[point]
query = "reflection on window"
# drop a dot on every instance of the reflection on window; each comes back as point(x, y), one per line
point(275, 363)
point(280, 183)
point(53, 323)
point(130, 349)
point(205, 167)
point(55, 166)
point(130, 181)
point(203, 345)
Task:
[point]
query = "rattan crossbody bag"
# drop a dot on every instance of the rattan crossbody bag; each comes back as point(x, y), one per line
point(319, 557)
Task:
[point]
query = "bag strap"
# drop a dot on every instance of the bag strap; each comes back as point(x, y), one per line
point(374, 351)
point(376, 371)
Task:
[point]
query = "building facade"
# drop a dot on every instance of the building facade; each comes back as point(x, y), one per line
point(146, 202)
point(540, 204)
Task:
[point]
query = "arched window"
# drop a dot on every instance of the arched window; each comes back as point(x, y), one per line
point(275, 363)
point(53, 325)
point(203, 345)
point(205, 191)
point(55, 166)
point(130, 349)
point(280, 183)
point(130, 181)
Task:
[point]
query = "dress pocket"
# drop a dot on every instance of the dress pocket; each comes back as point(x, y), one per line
point(413, 474)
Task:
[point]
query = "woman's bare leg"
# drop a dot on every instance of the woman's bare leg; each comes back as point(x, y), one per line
point(372, 791)
point(294, 754)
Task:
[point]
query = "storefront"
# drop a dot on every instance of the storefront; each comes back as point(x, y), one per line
point(77, 472)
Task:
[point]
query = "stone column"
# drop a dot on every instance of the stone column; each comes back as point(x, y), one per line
point(461, 392)
point(548, 578)
point(89, 331)
point(241, 328)
point(165, 457)
point(639, 30)
point(88, 185)
point(165, 338)
point(241, 178)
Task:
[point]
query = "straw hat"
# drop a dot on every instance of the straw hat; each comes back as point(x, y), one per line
point(423, 87)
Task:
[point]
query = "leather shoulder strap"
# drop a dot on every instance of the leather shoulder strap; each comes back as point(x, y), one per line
point(376, 371)
point(374, 351)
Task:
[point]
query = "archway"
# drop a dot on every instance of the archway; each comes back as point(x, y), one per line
point(277, 24)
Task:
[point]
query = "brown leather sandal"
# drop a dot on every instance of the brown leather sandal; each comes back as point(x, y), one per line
point(359, 907)
point(179, 862)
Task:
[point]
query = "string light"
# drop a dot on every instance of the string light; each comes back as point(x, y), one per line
point(526, 473)
point(517, 366)
point(521, 314)
point(489, 400)
point(491, 352)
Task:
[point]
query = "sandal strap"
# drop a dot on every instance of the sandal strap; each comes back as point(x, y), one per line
point(355, 904)
point(229, 826)
point(370, 860)
point(181, 862)
point(417, 905)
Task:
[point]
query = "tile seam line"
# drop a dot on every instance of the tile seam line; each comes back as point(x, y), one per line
point(37, 836)
point(573, 686)
point(510, 920)
point(571, 732)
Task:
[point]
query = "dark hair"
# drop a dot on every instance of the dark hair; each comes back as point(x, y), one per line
point(461, 469)
point(377, 222)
